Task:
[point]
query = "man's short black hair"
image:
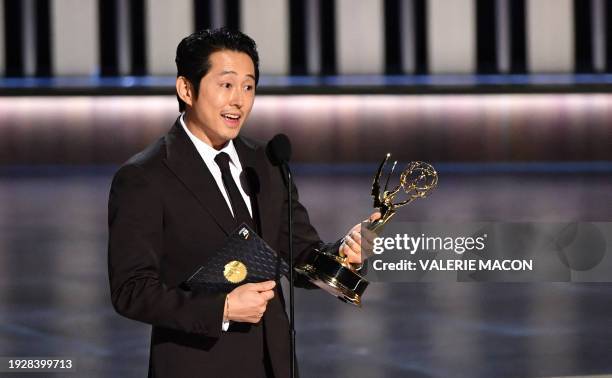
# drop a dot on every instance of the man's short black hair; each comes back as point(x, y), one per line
point(193, 54)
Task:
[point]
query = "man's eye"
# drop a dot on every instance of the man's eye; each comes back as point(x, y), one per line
point(226, 85)
point(248, 87)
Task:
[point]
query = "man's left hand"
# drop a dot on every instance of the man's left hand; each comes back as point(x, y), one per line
point(353, 241)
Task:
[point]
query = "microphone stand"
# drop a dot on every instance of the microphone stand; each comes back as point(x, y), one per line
point(289, 179)
point(279, 154)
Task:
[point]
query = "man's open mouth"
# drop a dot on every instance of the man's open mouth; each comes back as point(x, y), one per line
point(231, 117)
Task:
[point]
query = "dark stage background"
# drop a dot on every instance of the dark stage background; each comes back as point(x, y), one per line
point(59, 154)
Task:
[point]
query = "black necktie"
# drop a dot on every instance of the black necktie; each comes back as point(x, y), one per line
point(241, 212)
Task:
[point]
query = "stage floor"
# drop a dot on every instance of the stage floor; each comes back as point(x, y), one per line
point(55, 299)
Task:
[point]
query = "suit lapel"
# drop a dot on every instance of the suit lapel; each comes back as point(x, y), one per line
point(256, 175)
point(183, 160)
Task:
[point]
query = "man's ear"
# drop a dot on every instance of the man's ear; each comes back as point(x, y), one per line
point(184, 90)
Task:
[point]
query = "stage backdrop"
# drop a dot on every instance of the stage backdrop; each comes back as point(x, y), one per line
point(324, 129)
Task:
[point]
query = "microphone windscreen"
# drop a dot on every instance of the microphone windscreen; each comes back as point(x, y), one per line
point(279, 150)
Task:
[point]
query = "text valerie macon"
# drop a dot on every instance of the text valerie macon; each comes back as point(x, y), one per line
point(404, 245)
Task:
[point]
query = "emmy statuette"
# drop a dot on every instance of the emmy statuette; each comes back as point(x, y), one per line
point(332, 272)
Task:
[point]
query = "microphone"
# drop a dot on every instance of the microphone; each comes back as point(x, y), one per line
point(278, 150)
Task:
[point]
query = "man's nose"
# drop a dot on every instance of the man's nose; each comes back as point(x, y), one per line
point(236, 98)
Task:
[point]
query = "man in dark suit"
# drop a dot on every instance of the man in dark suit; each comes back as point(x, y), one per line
point(180, 198)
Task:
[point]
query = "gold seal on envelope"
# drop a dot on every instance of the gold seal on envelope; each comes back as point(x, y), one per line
point(235, 271)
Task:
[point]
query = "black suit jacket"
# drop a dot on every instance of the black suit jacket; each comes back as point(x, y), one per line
point(165, 214)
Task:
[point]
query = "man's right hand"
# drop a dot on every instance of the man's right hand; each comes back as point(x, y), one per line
point(247, 303)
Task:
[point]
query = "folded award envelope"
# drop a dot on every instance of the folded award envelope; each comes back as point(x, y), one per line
point(244, 258)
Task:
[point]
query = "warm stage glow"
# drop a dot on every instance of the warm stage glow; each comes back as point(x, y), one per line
point(324, 128)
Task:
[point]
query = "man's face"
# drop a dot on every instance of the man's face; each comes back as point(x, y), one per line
point(225, 98)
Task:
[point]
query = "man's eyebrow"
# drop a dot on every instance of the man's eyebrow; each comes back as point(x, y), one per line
point(235, 73)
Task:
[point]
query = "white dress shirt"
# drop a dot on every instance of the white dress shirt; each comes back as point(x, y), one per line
point(208, 154)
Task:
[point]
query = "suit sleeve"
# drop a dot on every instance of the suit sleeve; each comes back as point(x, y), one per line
point(135, 218)
point(305, 237)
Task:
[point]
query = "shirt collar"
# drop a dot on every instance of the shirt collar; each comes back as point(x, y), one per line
point(207, 152)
